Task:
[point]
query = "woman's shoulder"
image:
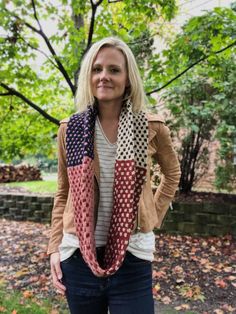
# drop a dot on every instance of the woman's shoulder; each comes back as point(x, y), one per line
point(155, 117)
point(157, 125)
point(73, 117)
point(63, 121)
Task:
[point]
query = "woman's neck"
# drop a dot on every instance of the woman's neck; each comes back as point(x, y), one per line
point(109, 112)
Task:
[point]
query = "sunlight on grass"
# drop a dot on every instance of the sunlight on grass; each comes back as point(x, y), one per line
point(36, 186)
point(25, 303)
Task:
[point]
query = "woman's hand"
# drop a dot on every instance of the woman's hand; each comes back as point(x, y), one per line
point(56, 272)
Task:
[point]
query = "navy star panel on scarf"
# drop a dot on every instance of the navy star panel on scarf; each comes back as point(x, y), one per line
point(129, 175)
point(79, 141)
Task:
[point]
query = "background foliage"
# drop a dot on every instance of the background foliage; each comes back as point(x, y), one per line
point(40, 65)
point(202, 102)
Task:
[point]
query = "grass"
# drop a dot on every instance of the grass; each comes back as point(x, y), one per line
point(15, 302)
point(168, 309)
point(25, 303)
point(36, 186)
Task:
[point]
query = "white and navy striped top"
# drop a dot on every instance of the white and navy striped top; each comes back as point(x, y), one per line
point(141, 244)
point(107, 155)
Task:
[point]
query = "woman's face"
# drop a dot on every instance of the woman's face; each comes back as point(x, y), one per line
point(109, 75)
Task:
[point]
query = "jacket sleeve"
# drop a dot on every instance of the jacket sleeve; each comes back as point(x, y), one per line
point(61, 194)
point(166, 157)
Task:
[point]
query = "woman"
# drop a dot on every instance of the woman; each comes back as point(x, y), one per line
point(102, 244)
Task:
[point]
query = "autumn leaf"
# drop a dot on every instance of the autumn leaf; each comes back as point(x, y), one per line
point(155, 290)
point(27, 294)
point(218, 311)
point(178, 270)
point(24, 271)
point(166, 300)
point(176, 253)
point(158, 274)
point(182, 307)
point(204, 244)
point(228, 308)
point(34, 278)
point(191, 292)
point(179, 281)
point(204, 261)
point(221, 283)
point(2, 281)
point(212, 248)
point(157, 287)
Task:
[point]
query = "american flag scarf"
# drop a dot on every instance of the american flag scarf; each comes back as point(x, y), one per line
point(129, 176)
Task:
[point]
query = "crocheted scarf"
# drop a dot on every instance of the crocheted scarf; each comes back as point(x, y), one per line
point(129, 176)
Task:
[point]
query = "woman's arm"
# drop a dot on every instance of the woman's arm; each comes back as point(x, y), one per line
point(167, 159)
point(57, 212)
point(61, 194)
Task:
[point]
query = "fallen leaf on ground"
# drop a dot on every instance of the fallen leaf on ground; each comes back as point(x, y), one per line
point(182, 307)
point(218, 311)
point(220, 283)
point(27, 294)
point(166, 300)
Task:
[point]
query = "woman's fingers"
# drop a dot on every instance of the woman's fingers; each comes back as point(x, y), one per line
point(57, 283)
point(57, 273)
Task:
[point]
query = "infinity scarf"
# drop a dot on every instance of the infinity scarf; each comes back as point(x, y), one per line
point(129, 176)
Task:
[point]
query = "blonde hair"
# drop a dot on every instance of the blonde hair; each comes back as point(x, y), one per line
point(84, 95)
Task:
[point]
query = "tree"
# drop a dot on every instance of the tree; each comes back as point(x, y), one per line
point(203, 101)
point(30, 96)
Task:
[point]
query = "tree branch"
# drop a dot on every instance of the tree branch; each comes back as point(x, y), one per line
point(78, 23)
point(51, 49)
point(24, 22)
point(94, 7)
point(14, 92)
point(39, 50)
point(59, 64)
point(35, 14)
point(188, 68)
point(92, 21)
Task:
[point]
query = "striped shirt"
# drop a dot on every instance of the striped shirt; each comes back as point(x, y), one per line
point(107, 155)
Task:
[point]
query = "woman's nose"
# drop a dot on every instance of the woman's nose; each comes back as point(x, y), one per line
point(104, 75)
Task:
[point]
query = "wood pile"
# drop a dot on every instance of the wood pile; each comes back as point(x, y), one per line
point(19, 173)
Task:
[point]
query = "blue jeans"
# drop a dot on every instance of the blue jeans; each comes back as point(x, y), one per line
point(128, 291)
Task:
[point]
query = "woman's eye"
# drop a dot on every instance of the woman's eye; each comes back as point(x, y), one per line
point(96, 70)
point(114, 70)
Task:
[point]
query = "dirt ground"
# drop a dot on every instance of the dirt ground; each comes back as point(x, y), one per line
point(209, 197)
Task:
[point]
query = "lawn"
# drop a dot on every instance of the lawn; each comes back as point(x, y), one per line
point(24, 302)
point(16, 302)
point(49, 186)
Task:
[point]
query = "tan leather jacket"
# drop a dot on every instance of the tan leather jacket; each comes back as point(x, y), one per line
point(152, 208)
